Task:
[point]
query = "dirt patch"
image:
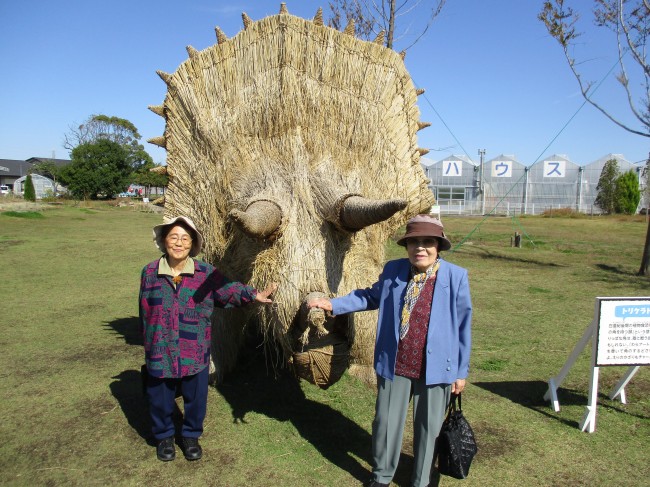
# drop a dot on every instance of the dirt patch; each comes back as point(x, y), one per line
point(493, 442)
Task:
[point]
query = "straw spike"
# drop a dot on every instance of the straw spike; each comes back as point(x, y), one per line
point(191, 51)
point(349, 29)
point(221, 37)
point(380, 38)
point(157, 109)
point(283, 8)
point(159, 201)
point(159, 170)
point(402, 54)
point(159, 141)
point(246, 19)
point(423, 125)
point(166, 77)
point(420, 91)
point(318, 18)
point(423, 151)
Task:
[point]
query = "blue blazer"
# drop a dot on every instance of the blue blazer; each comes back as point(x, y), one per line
point(449, 335)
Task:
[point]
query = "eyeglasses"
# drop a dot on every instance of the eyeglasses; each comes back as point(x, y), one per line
point(185, 239)
point(422, 242)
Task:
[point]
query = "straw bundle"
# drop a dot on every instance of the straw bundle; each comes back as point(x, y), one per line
point(277, 139)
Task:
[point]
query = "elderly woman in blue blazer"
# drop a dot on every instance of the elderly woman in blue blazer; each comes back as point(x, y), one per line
point(422, 348)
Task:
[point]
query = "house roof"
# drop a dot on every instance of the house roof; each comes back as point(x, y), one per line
point(11, 167)
point(57, 162)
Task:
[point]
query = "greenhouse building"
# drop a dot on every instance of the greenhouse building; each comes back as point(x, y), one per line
point(504, 185)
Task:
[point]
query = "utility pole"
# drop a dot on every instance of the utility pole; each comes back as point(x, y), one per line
point(481, 153)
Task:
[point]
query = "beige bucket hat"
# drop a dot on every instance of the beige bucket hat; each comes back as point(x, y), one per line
point(158, 232)
point(425, 226)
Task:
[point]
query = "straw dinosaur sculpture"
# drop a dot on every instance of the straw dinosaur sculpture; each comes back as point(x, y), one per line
point(293, 147)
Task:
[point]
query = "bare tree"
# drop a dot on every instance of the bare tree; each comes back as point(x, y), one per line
point(372, 17)
point(629, 20)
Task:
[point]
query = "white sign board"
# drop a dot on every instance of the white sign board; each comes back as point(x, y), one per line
point(623, 332)
point(620, 334)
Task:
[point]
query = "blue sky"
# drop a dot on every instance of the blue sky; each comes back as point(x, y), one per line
point(494, 78)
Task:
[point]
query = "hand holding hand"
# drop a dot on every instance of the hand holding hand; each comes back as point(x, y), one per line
point(322, 303)
point(263, 296)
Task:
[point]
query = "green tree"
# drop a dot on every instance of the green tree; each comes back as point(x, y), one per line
point(627, 193)
point(606, 197)
point(145, 177)
point(97, 168)
point(29, 192)
point(115, 129)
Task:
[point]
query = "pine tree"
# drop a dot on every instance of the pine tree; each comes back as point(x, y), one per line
point(606, 197)
point(30, 193)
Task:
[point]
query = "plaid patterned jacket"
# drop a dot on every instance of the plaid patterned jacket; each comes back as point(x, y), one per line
point(176, 322)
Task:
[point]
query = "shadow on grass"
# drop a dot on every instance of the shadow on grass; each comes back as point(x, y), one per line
point(128, 388)
point(487, 254)
point(129, 392)
point(531, 395)
point(127, 328)
point(253, 388)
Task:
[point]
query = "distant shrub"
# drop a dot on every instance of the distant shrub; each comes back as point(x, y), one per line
point(24, 214)
point(562, 213)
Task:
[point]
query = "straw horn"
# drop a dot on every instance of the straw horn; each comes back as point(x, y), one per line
point(221, 36)
point(318, 18)
point(420, 91)
point(166, 77)
point(358, 212)
point(246, 19)
point(159, 141)
point(191, 51)
point(380, 38)
point(283, 8)
point(423, 125)
point(349, 29)
point(158, 109)
point(159, 170)
point(261, 219)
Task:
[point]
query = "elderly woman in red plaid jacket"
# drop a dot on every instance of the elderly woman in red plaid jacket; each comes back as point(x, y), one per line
point(177, 297)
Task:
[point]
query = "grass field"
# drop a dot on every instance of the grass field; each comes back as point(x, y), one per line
point(73, 414)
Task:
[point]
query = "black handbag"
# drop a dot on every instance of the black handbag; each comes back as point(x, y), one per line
point(456, 444)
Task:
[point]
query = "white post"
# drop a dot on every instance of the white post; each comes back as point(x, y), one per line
point(619, 388)
point(555, 382)
point(589, 420)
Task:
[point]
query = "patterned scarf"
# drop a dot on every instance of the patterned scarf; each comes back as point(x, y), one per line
point(415, 285)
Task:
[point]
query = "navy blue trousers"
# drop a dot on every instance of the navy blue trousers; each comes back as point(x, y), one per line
point(161, 394)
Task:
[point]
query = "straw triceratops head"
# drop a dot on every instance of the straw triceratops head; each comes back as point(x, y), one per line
point(293, 147)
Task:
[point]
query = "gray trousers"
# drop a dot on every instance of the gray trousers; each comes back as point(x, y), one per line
point(429, 405)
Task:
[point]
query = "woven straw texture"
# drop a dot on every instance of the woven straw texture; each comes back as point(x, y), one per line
point(301, 117)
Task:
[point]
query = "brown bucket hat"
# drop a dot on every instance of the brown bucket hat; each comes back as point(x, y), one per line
point(197, 241)
point(425, 226)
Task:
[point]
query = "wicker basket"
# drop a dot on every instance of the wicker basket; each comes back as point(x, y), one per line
point(324, 361)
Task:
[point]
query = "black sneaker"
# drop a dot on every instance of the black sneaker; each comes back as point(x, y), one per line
point(165, 449)
point(191, 448)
